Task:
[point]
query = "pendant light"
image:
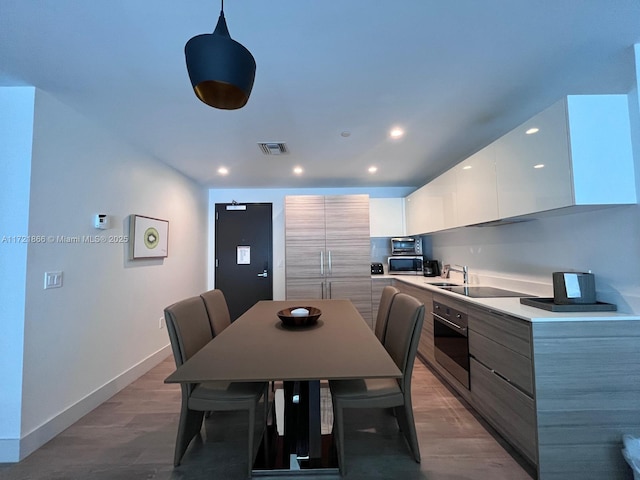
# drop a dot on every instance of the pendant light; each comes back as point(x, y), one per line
point(221, 70)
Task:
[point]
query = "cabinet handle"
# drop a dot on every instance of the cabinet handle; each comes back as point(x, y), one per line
point(330, 295)
point(321, 263)
point(449, 322)
point(502, 377)
point(329, 255)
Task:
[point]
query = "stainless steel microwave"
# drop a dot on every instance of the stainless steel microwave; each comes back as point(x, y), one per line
point(406, 246)
point(405, 264)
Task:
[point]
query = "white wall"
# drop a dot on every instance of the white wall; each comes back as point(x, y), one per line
point(276, 198)
point(85, 341)
point(16, 129)
point(607, 242)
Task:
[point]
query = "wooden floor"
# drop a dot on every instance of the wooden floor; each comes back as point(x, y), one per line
point(131, 437)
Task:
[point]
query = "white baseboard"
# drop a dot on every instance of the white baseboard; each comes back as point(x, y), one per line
point(9, 450)
point(13, 450)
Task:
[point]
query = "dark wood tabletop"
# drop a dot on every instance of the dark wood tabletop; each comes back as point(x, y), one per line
point(257, 347)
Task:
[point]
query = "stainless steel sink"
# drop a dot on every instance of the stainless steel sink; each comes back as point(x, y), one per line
point(482, 292)
point(475, 291)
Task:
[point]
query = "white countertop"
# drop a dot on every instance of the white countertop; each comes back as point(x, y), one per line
point(509, 305)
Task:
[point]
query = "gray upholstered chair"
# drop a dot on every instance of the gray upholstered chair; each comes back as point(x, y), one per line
point(217, 310)
point(386, 298)
point(189, 331)
point(401, 342)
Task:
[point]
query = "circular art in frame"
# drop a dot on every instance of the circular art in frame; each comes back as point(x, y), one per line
point(150, 237)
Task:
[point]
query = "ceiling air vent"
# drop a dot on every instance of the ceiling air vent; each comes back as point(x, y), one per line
point(273, 148)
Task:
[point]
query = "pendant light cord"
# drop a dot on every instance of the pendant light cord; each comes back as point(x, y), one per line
point(221, 6)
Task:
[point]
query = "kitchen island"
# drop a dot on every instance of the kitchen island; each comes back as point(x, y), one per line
point(562, 388)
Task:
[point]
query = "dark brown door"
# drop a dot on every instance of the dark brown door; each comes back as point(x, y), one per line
point(243, 252)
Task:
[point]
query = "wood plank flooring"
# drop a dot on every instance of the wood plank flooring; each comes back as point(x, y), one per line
point(131, 437)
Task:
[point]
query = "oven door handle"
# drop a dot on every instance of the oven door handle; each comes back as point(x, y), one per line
point(449, 322)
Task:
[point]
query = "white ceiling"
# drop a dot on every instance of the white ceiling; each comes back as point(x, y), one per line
point(456, 74)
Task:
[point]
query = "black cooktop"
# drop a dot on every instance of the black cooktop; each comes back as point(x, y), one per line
point(483, 292)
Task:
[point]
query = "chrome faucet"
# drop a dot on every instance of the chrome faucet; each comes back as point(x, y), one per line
point(464, 271)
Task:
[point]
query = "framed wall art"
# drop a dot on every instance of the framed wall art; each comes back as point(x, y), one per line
point(149, 237)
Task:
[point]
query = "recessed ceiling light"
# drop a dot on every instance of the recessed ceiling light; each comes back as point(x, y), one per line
point(539, 165)
point(345, 134)
point(532, 130)
point(223, 171)
point(467, 167)
point(396, 132)
point(373, 169)
point(297, 170)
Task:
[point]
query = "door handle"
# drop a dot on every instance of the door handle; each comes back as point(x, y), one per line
point(264, 274)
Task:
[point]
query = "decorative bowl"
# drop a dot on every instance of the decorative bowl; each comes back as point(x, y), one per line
point(299, 316)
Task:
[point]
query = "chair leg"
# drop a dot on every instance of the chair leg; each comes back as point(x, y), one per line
point(190, 424)
point(401, 420)
point(410, 430)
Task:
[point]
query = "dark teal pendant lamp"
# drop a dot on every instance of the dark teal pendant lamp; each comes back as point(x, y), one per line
point(221, 70)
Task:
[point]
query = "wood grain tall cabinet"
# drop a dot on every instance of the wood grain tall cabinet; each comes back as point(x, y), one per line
point(328, 249)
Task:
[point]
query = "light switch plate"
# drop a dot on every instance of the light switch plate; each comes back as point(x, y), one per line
point(52, 280)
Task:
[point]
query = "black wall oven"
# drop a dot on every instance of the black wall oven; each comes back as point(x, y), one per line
point(450, 341)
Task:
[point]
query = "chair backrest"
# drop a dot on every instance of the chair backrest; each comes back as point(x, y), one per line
point(188, 327)
point(384, 307)
point(403, 332)
point(217, 310)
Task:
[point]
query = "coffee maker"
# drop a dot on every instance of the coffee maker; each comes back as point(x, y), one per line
point(430, 268)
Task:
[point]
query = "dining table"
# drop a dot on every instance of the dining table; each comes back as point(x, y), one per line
point(258, 347)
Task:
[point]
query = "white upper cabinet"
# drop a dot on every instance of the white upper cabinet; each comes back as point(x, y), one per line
point(576, 152)
point(432, 207)
point(386, 217)
point(443, 202)
point(532, 165)
point(476, 190)
point(415, 212)
point(601, 152)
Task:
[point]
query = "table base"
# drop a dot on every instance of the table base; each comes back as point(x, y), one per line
point(294, 433)
point(278, 463)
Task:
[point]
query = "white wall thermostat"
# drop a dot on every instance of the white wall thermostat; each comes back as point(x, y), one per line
point(101, 221)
